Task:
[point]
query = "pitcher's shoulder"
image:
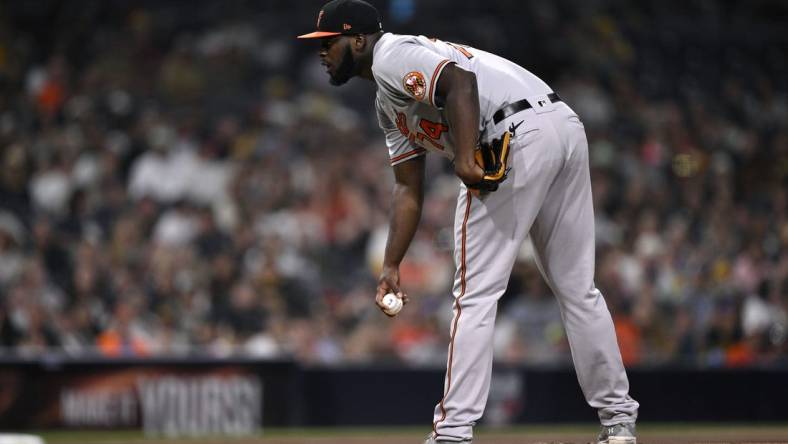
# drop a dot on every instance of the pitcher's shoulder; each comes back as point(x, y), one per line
point(388, 45)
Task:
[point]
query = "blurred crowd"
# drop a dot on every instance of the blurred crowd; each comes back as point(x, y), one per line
point(179, 183)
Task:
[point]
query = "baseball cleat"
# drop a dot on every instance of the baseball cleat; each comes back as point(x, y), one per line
point(431, 440)
point(618, 434)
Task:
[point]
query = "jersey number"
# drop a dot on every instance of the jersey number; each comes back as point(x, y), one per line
point(432, 129)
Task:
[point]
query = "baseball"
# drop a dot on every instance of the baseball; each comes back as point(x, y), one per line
point(393, 304)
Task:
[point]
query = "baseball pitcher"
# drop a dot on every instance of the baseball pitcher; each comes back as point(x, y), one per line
point(521, 155)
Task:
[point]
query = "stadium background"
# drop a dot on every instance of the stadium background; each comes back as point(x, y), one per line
point(180, 182)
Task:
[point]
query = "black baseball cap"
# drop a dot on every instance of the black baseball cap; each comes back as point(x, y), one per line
point(347, 17)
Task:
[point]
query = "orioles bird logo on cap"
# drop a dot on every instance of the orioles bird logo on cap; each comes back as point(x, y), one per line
point(320, 17)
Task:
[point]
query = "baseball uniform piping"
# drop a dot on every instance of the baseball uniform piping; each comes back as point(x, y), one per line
point(463, 268)
point(434, 80)
point(408, 154)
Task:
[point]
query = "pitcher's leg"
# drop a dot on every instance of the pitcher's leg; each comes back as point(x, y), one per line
point(563, 237)
point(468, 370)
point(479, 247)
point(488, 235)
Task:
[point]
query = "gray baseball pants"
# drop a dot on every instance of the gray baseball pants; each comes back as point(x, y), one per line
point(547, 195)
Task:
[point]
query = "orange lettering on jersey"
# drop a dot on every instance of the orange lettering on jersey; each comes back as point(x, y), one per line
point(402, 124)
point(414, 83)
point(425, 138)
point(461, 48)
point(432, 129)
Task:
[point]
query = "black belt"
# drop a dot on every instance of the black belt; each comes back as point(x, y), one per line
point(520, 105)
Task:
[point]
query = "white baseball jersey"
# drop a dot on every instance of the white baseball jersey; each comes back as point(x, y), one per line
point(546, 196)
point(406, 70)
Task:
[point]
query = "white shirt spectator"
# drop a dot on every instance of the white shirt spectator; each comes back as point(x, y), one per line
point(167, 177)
point(175, 228)
point(150, 178)
point(51, 190)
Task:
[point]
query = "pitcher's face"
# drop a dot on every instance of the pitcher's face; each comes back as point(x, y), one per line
point(337, 57)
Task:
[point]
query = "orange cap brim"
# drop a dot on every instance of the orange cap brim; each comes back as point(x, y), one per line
point(318, 35)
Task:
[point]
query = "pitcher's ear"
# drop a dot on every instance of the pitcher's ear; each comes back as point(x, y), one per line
point(360, 41)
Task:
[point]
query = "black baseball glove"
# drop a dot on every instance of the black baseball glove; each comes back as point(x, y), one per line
point(492, 157)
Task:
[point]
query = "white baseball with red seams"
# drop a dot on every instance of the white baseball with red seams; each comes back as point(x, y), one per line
point(393, 304)
point(547, 196)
